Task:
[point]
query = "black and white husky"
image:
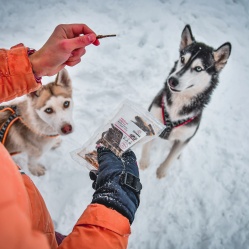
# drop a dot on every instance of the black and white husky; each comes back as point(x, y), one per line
point(186, 92)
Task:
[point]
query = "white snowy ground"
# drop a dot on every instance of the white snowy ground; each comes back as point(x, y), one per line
point(204, 200)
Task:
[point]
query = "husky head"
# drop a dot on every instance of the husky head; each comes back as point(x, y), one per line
point(198, 66)
point(53, 105)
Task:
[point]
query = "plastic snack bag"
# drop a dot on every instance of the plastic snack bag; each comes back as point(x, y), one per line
point(130, 125)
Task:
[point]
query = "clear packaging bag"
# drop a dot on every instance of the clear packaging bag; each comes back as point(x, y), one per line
point(130, 125)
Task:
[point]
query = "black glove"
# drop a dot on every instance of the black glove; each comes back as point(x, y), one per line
point(117, 182)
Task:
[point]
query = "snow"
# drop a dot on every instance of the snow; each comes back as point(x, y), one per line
point(203, 201)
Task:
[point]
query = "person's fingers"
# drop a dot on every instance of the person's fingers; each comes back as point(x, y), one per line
point(96, 43)
point(72, 63)
point(80, 41)
point(72, 30)
point(76, 54)
point(79, 29)
point(130, 162)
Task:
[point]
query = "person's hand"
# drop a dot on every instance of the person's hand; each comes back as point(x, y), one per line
point(117, 182)
point(64, 47)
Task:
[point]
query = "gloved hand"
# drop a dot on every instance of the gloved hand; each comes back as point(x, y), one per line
point(117, 182)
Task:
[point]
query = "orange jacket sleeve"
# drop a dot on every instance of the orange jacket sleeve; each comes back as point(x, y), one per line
point(39, 215)
point(26, 223)
point(16, 76)
point(16, 229)
point(98, 227)
point(24, 218)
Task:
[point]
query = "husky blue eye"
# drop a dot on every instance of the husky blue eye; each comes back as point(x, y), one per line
point(198, 69)
point(182, 59)
point(49, 110)
point(66, 104)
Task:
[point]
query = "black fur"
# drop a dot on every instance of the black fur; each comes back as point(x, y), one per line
point(206, 55)
point(186, 94)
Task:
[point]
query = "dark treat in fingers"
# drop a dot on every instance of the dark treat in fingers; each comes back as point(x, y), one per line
point(104, 36)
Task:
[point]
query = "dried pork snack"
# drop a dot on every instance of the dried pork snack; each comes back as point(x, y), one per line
point(111, 139)
point(128, 126)
point(92, 158)
point(147, 128)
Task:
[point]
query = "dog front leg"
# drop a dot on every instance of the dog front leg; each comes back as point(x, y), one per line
point(34, 167)
point(173, 154)
point(145, 158)
point(57, 143)
point(33, 156)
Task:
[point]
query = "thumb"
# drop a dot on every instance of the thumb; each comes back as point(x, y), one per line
point(82, 41)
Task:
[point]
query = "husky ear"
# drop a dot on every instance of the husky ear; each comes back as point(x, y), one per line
point(35, 93)
point(221, 55)
point(187, 37)
point(63, 79)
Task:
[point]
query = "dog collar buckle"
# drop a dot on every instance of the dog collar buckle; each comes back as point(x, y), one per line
point(131, 181)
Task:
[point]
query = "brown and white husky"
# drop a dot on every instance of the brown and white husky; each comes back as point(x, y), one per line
point(34, 124)
point(187, 90)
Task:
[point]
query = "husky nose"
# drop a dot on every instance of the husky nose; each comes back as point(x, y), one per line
point(173, 82)
point(66, 129)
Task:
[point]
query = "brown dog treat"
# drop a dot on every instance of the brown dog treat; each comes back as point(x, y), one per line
point(147, 128)
point(104, 36)
point(111, 139)
point(92, 158)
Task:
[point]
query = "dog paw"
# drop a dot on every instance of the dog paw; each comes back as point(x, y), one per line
point(38, 170)
point(57, 144)
point(160, 173)
point(143, 164)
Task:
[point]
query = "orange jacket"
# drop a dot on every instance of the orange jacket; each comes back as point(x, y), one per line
point(24, 219)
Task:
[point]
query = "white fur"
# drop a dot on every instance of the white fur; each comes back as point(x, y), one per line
point(60, 115)
point(178, 134)
point(186, 82)
point(32, 133)
point(198, 80)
